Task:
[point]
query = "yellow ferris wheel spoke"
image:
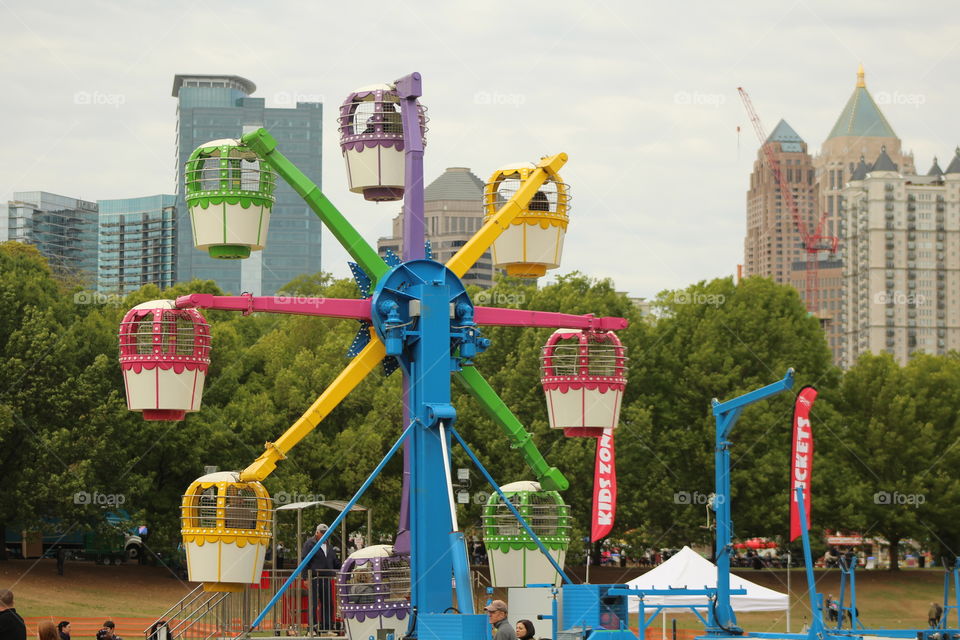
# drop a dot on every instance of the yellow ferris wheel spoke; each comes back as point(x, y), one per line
point(469, 253)
point(368, 358)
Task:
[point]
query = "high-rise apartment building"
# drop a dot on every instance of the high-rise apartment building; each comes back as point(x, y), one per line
point(902, 268)
point(453, 212)
point(773, 242)
point(773, 247)
point(829, 296)
point(63, 229)
point(214, 107)
point(138, 243)
point(861, 131)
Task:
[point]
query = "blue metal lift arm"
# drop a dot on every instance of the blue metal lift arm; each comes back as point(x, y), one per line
point(738, 403)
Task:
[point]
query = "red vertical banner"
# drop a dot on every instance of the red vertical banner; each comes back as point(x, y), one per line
point(604, 488)
point(801, 458)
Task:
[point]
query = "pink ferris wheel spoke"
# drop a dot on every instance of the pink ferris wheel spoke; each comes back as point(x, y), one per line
point(360, 310)
point(526, 318)
point(297, 305)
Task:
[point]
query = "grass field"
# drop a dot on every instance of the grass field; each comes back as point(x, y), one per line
point(884, 599)
point(895, 600)
point(87, 589)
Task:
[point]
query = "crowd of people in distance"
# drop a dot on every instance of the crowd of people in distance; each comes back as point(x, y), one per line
point(13, 627)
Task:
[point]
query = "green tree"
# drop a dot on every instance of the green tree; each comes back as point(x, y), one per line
point(719, 340)
point(895, 444)
point(935, 382)
point(56, 392)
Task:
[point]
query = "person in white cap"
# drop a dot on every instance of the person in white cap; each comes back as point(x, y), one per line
point(497, 614)
point(323, 569)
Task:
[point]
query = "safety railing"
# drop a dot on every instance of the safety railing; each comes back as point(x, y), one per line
point(308, 608)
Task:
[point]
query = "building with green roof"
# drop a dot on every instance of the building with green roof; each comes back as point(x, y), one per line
point(861, 117)
point(861, 130)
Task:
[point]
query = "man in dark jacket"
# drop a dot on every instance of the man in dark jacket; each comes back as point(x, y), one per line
point(323, 569)
point(11, 624)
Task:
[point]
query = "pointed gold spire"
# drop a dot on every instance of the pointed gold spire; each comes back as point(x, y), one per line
point(860, 81)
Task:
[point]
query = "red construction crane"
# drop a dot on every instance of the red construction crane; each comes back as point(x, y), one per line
point(813, 243)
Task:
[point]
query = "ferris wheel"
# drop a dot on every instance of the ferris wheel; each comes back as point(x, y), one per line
point(415, 314)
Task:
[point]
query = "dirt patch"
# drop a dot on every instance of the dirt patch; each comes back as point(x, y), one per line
point(87, 589)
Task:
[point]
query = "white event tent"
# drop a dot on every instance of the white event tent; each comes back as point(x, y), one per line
point(688, 569)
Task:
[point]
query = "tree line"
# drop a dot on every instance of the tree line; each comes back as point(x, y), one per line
point(886, 436)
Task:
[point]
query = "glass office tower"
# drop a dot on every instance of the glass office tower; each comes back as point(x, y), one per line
point(138, 243)
point(213, 107)
point(63, 229)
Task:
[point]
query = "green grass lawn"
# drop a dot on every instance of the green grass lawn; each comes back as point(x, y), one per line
point(885, 599)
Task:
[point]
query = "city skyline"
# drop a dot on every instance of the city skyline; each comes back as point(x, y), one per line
point(642, 110)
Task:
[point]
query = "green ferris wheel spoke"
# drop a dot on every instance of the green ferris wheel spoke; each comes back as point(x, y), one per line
point(266, 146)
point(550, 478)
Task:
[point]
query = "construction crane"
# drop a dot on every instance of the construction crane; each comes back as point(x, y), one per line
point(813, 243)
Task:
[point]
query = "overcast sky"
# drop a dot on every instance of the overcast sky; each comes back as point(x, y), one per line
point(641, 95)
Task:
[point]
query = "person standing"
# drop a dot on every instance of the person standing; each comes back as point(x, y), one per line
point(933, 615)
point(108, 632)
point(497, 614)
point(525, 630)
point(159, 631)
point(850, 559)
point(63, 629)
point(46, 630)
point(12, 626)
point(323, 569)
point(833, 608)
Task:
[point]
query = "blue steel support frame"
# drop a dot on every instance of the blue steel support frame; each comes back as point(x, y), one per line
point(722, 620)
point(819, 631)
point(510, 505)
point(644, 621)
point(430, 385)
point(951, 574)
point(333, 527)
point(848, 576)
point(422, 313)
point(817, 628)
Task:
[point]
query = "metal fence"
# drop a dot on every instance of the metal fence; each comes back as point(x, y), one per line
point(308, 608)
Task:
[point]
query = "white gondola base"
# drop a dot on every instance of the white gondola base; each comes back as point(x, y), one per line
point(578, 408)
point(528, 250)
point(375, 168)
point(164, 389)
point(230, 225)
point(520, 567)
point(223, 566)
